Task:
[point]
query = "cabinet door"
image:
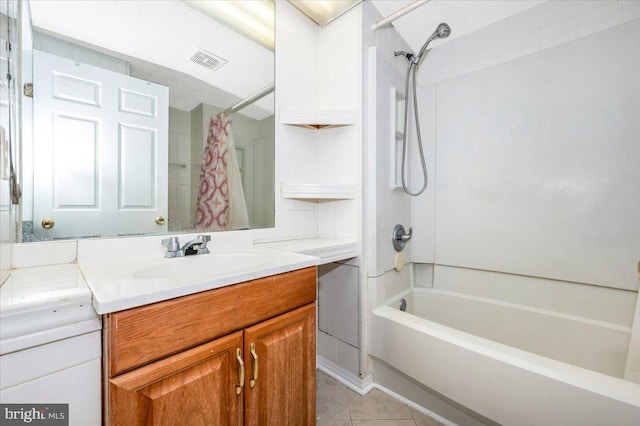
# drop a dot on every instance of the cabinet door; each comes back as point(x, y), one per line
point(284, 391)
point(194, 387)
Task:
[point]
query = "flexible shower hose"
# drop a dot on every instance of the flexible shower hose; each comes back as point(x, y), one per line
point(411, 75)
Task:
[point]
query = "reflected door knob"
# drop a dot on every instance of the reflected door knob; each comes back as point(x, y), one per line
point(47, 223)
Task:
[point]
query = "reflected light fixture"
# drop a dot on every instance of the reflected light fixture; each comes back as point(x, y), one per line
point(253, 19)
point(323, 11)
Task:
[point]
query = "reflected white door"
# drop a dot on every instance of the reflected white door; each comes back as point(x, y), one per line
point(100, 151)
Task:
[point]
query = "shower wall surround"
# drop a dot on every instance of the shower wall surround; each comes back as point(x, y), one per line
point(532, 170)
point(550, 24)
point(536, 171)
point(385, 206)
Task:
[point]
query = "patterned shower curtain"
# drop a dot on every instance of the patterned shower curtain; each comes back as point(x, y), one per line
point(220, 204)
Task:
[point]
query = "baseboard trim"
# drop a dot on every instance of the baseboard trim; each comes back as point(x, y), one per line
point(344, 376)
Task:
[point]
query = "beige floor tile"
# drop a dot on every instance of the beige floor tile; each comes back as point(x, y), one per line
point(397, 422)
point(428, 421)
point(417, 414)
point(377, 405)
point(331, 398)
point(336, 405)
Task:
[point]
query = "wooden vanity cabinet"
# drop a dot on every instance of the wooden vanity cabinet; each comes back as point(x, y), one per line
point(285, 390)
point(190, 388)
point(256, 371)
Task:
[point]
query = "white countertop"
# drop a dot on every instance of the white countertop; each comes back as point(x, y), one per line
point(327, 249)
point(117, 274)
point(124, 284)
point(32, 289)
point(43, 304)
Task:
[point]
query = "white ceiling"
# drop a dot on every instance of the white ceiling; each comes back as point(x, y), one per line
point(463, 16)
point(158, 38)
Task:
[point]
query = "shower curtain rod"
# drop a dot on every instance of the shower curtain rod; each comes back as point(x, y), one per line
point(251, 99)
point(399, 13)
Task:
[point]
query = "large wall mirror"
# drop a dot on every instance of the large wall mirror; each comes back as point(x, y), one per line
point(132, 99)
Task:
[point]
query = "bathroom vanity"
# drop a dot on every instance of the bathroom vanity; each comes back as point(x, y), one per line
point(242, 354)
point(227, 337)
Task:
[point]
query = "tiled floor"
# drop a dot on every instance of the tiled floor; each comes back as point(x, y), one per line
point(337, 405)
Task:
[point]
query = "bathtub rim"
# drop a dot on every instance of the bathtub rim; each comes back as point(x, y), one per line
point(591, 381)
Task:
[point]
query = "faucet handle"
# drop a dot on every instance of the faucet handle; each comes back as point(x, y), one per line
point(203, 247)
point(407, 237)
point(172, 244)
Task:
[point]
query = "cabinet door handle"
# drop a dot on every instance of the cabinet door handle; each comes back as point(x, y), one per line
point(254, 375)
point(240, 385)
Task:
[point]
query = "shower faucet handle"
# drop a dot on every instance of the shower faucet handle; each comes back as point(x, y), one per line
point(400, 237)
point(407, 237)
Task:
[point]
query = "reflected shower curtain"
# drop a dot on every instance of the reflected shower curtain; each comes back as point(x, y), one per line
point(220, 204)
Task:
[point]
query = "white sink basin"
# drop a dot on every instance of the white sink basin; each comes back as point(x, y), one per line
point(200, 267)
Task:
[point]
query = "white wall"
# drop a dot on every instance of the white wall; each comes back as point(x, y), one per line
point(320, 68)
point(545, 188)
point(316, 68)
point(78, 53)
point(535, 169)
point(296, 82)
point(339, 149)
point(386, 206)
point(258, 157)
point(264, 190)
point(180, 206)
point(548, 25)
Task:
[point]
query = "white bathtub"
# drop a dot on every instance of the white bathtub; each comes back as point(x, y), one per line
point(514, 364)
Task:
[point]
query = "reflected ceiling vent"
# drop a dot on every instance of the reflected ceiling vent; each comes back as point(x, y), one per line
point(208, 60)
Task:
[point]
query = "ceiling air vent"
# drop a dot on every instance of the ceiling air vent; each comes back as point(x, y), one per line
point(208, 60)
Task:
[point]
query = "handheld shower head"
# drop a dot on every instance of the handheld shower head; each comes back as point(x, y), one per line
point(442, 31)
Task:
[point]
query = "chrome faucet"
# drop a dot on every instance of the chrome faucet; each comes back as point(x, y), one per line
point(196, 246)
